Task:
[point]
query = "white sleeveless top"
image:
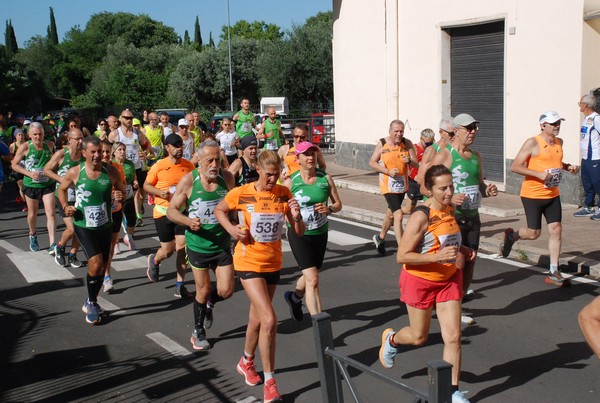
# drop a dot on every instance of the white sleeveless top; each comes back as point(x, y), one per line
point(132, 147)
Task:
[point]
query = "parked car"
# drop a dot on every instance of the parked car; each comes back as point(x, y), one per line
point(214, 125)
point(322, 128)
point(174, 114)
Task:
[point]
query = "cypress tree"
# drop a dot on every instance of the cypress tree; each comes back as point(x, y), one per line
point(186, 38)
point(197, 35)
point(52, 32)
point(211, 42)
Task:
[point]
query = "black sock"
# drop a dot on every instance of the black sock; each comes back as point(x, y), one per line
point(454, 388)
point(199, 313)
point(94, 284)
point(215, 297)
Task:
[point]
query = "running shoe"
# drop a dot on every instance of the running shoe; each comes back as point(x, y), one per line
point(585, 211)
point(92, 313)
point(251, 377)
point(387, 352)
point(459, 397)
point(59, 257)
point(117, 248)
point(52, 249)
point(271, 394)
point(152, 271)
point(139, 222)
point(295, 307)
point(208, 318)
point(466, 320)
point(469, 295)
point(25, 209)
point(129, 242)
point(557, 279)
point(596, 216)
point(199, 341)
point(507, 242)
point(181, 292)
point(379, 245)
point(107, 284)
point(73, 261)
point(101, 311)
point(18, 199)
point(33, 243)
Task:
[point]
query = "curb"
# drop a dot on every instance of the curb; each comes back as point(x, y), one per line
point(520, 251)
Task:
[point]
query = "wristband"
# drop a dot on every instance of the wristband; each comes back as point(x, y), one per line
point(298, 219)
point(330, 210)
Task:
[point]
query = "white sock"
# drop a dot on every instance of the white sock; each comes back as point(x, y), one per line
point(553, 268)
point(268, 375)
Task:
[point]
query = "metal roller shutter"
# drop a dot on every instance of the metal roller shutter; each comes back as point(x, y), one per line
point(477, 88)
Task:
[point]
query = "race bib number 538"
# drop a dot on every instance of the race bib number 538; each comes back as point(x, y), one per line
point(266, 227)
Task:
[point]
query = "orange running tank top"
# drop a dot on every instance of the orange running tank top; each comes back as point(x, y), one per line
point(442, 231)
point(291, 162)
point(549, 159)
point(391, 157)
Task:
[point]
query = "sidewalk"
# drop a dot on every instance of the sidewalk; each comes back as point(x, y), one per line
point(362, 202)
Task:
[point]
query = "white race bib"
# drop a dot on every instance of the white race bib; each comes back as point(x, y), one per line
point(42, 178)
point(312, 218)
point(205, 212)
point(554, 181)
point(246, 126)
point(450, 240)
point(473, 199)
point(397, 184)
point(70, 195)
point(271, 144)
point(266, 227)
point(95, 216)
point(128, 191)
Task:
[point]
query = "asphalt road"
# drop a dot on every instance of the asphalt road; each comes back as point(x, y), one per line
point(526, 345)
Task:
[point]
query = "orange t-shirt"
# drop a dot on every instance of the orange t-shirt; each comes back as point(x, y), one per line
point(549, 159)
point(391, 157)
point(165, 175)
point(442, 231)
point(291, 162)
point(264, 217)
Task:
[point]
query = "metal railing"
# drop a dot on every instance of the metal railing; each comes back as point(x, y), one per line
point(333, 367)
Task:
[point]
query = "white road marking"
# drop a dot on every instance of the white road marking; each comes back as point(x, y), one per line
point(285, 246)
point(109, 306)
point(37, 267)
point(249, 399)
point(129, 260)
point(9, 247)
point(344, 239)
point(356, 224)
point(169, 345)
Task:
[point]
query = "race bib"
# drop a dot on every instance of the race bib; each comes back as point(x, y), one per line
point(312, 219)
point(397, 184)
point(42, 178)
point(205, 212)
point(71, 195)
point(266, 227)
point(473, 199)
point(554, 180)
point(450, 240)
point(157, 151)
point(128, 191)
point(95, 216)
point(246, 126)
point(271, 144)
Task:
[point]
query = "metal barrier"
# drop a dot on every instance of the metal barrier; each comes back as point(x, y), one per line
point(334, 366)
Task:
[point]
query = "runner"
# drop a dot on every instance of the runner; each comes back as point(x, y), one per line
point(414, 194)
point(540, 160)
point(61, 161)
point(189, 150)
point(270, 131)
point(229, 140)
point(429, 277)
point(131, 184)
point(311, 187)
point(36, 186)
point(589, 322)
point(244, 120)
point(161, 183)
point(467, 173)
point(288, 152)
point(154, 134)
point(391, 158)
point(92, 220)
point(244, 168)
point(207, 243)
point(257, 260)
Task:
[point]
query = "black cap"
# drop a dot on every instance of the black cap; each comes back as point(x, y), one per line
point(248, 141)
point(174, 139)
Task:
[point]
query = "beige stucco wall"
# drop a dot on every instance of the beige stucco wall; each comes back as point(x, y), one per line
point(544, 67)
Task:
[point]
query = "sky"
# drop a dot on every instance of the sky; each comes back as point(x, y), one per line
point(32, 17)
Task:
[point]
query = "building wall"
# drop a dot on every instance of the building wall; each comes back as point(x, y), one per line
point(547, 67)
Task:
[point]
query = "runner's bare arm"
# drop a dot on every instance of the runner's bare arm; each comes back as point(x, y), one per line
point(51, 166)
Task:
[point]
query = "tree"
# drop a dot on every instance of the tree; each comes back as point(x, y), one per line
point(258, 30)
point(52, 32)
point(186, 38)
point(197, 35)
point(211, 42)
point(10, 40)
point(38, 59)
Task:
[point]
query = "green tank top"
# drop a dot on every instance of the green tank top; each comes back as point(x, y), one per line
point(35, 161)
point(66, 164)
point(465, 176)
point(309, 195)
point(154, 136)
point(211, 237)
point(273, 142)
point(129, 170)
point(243, 127)
point(93, 200)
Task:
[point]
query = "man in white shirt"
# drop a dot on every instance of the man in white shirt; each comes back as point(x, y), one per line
point(589, 144)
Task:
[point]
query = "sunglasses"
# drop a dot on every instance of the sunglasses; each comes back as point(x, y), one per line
point(299, 137)
point(555, 124)
point(127, 117)
point(471, 127)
